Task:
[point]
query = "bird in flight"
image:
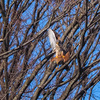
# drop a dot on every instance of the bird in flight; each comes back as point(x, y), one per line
point(56, 45)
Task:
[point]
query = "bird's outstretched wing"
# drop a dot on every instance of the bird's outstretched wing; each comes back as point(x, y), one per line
point(52, 38)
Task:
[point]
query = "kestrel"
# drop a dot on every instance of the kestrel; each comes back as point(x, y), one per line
point(57, 47)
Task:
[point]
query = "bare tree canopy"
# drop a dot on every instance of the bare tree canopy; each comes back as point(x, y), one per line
point(27, 71)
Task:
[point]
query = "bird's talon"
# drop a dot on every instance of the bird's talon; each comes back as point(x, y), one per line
point(56, 68)
point(63, 56)
point(56, 56)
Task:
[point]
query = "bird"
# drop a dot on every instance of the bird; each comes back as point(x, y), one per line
point(57, 47)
